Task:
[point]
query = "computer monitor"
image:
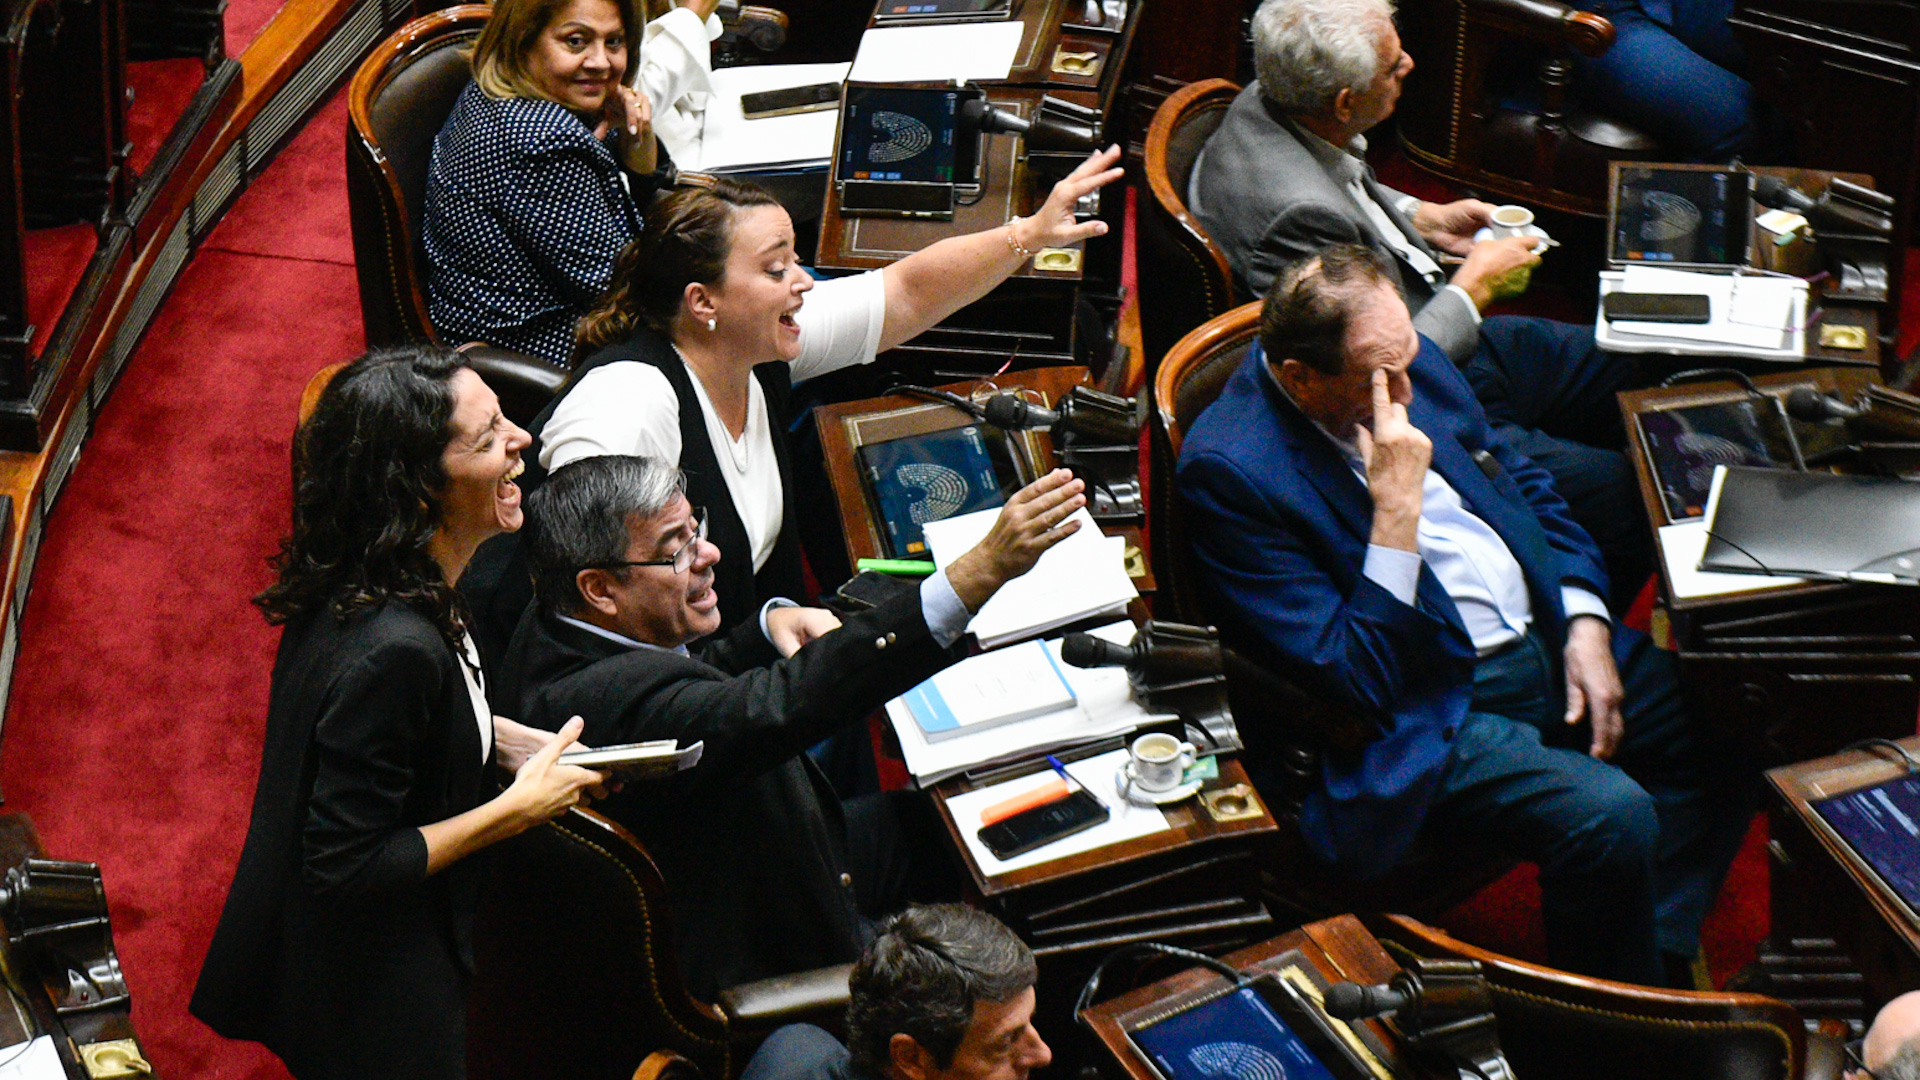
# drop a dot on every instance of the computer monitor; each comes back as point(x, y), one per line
point(1678, 216)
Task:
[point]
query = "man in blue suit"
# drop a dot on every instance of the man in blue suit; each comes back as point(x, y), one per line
point(1356, 519)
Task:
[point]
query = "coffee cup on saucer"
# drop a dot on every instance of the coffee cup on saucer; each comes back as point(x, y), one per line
point(1159, 762)
point(1511, 220)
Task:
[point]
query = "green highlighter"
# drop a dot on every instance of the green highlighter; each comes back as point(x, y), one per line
point(897, 567)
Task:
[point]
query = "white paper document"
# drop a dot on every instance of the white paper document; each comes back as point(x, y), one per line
point(940, 53)
point(1682, 544)
point(1103, 707)
point(1097, 775)
point(729, 142)
point(37, 1060)
point(1751, 314)
point(1081, 577)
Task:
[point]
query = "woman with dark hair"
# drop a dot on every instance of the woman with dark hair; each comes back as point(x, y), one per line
point(345, 943)
point(538, 175)
point(691, 354)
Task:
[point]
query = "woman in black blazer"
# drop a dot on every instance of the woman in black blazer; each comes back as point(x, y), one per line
point(345, 943)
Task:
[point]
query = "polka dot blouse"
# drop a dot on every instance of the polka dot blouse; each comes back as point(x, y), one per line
point(525, 213)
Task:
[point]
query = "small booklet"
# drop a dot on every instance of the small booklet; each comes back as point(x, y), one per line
point(988, 690)
point(637, 761)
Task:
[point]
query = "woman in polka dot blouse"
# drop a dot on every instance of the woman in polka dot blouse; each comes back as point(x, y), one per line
point(709, 321)
point(531, 192)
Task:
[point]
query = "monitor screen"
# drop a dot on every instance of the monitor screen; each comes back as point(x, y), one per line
point(1882, 825)
point(907, 134)
point(1681, 217)
point(1238, 1036)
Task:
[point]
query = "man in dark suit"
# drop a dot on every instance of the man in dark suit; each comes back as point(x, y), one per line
point(1356, 518)
point(1285, 176)
point(768, 872)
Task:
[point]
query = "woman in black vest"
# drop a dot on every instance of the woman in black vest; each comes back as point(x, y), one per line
point(345, 943)
point(690, 356)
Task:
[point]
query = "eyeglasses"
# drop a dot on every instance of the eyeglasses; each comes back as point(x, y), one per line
point(680, 560)
point(1856, 1058)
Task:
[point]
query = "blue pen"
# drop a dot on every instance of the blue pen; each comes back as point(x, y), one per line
point(1064, 775)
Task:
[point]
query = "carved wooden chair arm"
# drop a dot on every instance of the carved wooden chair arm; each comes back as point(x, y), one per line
point(1547, 22)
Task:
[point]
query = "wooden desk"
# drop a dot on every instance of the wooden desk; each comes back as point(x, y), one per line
point(1767, 668)
point(1822, 895)
point(846, 426)
point(1337, 949)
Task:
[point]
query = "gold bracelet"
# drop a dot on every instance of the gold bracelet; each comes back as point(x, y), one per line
point(1013, 242)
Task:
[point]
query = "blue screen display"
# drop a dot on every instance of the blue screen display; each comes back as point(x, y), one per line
point(1235, 1037)
point(1882, 824)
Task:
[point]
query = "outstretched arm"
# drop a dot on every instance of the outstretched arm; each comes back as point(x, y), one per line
point(938, 280)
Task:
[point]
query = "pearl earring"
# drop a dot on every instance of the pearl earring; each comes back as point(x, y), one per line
point(712, 325)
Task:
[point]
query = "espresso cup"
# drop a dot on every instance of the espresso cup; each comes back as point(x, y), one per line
point(1511, 220)
point(1159, 761)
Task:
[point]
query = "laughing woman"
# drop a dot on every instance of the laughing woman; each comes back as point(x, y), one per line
point(537, 176)
point(345, 943)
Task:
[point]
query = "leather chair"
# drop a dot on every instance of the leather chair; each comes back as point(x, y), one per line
point(1184, 278)
point(1465, 117)
point(576, 976)
point(1296, 723)
point(399, 99)
point(523, 383)
point(1555, 1025)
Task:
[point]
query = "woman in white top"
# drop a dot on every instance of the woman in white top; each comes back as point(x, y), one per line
point(710, 320)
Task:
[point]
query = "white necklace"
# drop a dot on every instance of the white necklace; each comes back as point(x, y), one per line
point(740, 449)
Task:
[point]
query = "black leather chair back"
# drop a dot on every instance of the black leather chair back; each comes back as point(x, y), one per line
point(399, 99)
point(1184, 276)
point(576, 977)
point(1555, 1025)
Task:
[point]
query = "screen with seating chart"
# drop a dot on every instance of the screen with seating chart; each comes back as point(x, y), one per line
point(1243, 1035)
point(1882, 825)
point(1681, 217)
point(910, 134)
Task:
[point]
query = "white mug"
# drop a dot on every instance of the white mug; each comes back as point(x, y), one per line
point(1511, 220)
point(1159, 761)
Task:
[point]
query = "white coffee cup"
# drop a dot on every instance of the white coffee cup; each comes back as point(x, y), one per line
point(1511, 220)
point(1159, 761)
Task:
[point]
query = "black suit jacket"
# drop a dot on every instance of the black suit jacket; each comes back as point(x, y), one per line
point(751, 841)
point(335, 948)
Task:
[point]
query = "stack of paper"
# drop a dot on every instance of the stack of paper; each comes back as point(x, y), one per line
point(729, 142)
point(1103, 707)
point(1751, 314)
point(989, 690)
point(969, 52)
point(1081, 577)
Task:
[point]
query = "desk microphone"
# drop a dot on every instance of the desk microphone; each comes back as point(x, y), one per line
point(1161, 652)
point(977, 114)
point(1814, 407)
point(1089, 415)
point(1352, 1001)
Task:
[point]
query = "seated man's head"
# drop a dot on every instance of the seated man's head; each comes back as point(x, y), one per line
point(945, 993)
point(1334, 64)
point(1330, 321)
point(1891, 1050)
point(613, 542)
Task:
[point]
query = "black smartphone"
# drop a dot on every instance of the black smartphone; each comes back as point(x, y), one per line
point(1029, 829)
point(794, 99)
point(1656, 307)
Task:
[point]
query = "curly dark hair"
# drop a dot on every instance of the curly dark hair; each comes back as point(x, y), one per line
point(686, 238)
point(367, 481)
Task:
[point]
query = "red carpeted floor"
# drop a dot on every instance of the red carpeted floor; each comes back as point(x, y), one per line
point(133, 738)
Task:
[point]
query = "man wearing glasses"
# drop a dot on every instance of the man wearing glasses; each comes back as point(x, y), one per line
point(768, 871)
point(1891, 1050)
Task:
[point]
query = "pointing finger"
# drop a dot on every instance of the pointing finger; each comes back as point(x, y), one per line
point(1382, 398)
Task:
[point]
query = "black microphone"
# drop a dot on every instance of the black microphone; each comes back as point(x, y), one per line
point(1812, 406)
point(976, 114)
point(1088, 651)
point(1010, 412)
point(1352, 1001)
point(1777, 193)
point(1162, 653)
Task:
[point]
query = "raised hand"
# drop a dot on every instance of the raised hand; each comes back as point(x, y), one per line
point(1053, 225)
point(629, 115)
point(1396, 455)
point(1033, 520)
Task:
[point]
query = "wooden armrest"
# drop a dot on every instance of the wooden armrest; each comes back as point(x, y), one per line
point(1826, 1058)
point(1545, 21)
point(666, 1065)
point(817, 997)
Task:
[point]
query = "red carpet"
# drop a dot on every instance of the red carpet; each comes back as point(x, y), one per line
point(134, 734)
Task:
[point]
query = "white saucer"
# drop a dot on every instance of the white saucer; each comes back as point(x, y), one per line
point(1486, 234)
point(1138, 796)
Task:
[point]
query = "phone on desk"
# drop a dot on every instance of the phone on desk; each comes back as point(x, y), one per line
point(1043, 825)
point(1656, 307)
point(793, 99)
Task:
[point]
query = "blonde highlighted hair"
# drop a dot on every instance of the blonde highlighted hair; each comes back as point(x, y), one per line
point(499, 57)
